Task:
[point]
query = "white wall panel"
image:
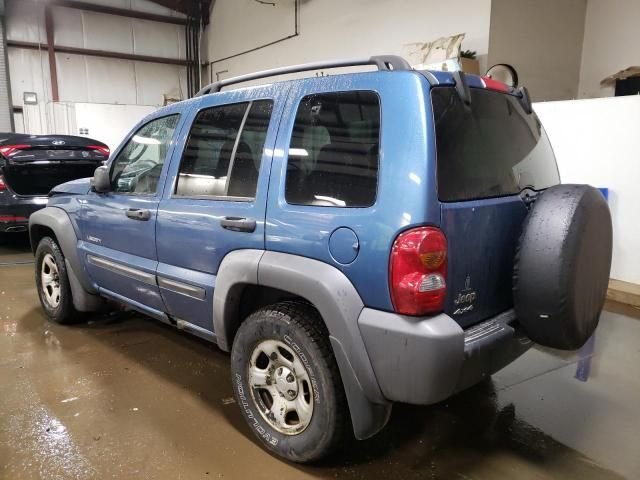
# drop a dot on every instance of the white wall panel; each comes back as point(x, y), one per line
point(140, 5)
point(29, 72)
point(234, 19)
point(153, 80)
point(543, 41)
point(95, 79)
point(152, 7)
point(107, 32)
point(109, 123)
point(595, 142)
point(610, 43)
point(106, 123)
point(72, 77)
point(62, 118)
point(111, 81)
point(6, 114)
point(98, 31)
point(332, 29)
point(35, 119)
point(164, 40)
point(68, 29)
point(18, 122)
point(26, 22)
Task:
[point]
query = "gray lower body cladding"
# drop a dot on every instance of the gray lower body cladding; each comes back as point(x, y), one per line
point(425, 360)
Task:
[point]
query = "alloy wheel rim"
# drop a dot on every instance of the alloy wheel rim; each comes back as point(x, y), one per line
point(281, 387)
point(50, 278)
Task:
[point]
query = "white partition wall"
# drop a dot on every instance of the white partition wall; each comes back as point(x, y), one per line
point(596, 141)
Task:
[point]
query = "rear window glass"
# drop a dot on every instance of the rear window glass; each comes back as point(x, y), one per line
point(333, 154)
point(491, 149)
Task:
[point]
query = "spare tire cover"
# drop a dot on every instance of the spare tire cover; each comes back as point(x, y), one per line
point(562, 266)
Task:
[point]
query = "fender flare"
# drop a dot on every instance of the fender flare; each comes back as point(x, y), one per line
point(339, 304)
point(84, 295)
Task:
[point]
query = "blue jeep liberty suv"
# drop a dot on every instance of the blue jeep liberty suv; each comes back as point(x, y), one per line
point(353, 240)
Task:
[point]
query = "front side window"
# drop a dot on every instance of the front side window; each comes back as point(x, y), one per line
point(224, 150)
point(333, 154)
point(136, 170)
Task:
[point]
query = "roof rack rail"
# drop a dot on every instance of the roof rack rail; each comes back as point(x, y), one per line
point(383, 62)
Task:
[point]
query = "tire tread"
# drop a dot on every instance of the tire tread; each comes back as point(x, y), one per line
point(305, 317)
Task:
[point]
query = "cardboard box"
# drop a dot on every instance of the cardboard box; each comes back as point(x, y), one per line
point(470, 65)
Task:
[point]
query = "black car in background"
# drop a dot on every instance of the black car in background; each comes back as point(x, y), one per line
point(31, 165)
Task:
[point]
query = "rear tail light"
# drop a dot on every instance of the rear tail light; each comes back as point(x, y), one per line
point(7, 150)
point(12, 218)
point(3, 186)
point(418, 271)
point(103, 150)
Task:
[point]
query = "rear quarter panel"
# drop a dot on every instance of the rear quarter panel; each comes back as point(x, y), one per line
point(404, 183)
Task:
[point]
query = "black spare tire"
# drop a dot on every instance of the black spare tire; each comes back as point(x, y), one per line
point(561, 270)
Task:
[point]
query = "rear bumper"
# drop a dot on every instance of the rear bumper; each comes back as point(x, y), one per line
point(425, 360)
point(16, 209)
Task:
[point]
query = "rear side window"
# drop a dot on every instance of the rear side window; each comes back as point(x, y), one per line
point(333, 153)
point(224, 150)
point(491, 149)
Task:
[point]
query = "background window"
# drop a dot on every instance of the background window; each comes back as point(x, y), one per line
point(219, 159)
point(137, 167)
point(333, 154)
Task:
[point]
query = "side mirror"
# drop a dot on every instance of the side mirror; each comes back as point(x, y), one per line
point(101, 182)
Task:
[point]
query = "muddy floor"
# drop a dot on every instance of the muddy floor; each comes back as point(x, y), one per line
point(126, 397)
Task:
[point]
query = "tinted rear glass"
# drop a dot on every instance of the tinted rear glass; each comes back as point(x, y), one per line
point(491, 149)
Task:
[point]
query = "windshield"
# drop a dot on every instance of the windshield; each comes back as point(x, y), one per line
point(490, 149)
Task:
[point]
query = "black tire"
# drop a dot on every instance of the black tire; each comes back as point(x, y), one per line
point(561, 271)
point(64, 312)
point(301, 327)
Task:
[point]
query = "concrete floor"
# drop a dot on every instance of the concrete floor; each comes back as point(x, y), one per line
point(126, 397)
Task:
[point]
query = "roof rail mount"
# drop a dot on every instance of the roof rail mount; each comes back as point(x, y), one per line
point(383, 62)
point(462, 87)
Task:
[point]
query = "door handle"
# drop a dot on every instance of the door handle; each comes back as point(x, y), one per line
point(138, 214)
point(238, 224)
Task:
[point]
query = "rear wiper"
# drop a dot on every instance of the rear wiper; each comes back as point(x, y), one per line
point(529, 195)
point(525, 100)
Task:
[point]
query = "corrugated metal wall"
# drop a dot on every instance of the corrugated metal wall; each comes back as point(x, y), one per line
point(6, 114)
point(92, 79)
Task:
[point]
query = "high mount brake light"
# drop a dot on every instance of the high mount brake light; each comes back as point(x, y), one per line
point(492, 84)
point(418, 271)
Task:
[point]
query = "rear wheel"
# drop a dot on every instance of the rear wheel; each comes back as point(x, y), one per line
point(52, 283)
point(287, 383)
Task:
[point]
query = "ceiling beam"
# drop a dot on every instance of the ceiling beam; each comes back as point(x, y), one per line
point(123, 12)
point(97, 53)
point(187, 7)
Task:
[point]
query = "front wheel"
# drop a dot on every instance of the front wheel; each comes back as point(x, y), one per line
point(287, 383)
point(53, 284)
